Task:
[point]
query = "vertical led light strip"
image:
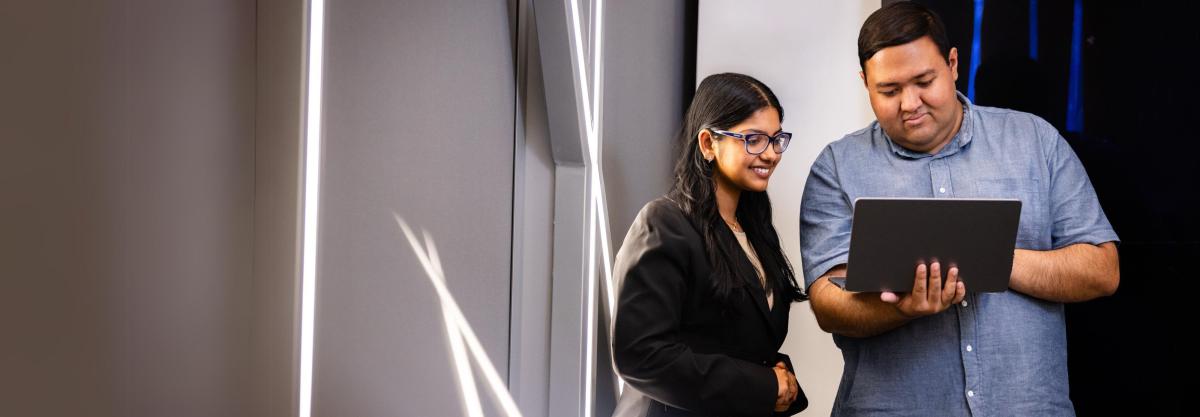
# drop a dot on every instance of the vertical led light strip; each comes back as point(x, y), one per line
point(598, 214)
point(597, 174)
point(589, 313)
point(599, 199)
point(312, 194)
point(1033, 29)
point(1075, 86)
point(976, 53)
point(581, 69)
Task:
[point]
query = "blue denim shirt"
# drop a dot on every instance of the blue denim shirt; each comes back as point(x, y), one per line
point(995, 354)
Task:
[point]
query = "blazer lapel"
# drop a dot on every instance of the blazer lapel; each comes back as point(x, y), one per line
point(758, 294)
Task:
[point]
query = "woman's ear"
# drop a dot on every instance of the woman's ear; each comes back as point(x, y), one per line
point(705, 140)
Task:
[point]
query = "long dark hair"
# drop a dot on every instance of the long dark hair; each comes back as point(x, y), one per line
point(721, 102)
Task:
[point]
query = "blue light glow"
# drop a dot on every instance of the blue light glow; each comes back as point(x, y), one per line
point(1075, 88)
point(1033, 30)
point(976, 53)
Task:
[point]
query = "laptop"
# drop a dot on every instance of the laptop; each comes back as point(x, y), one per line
point(891, 236)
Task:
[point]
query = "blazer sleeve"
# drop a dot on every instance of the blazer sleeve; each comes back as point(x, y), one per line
point(647, 348)
point(801, 401)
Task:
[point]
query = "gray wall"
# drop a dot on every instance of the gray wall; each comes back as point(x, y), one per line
point(277, 183)
point(419, 119)
point(644, 72)
point(814, 72)
point(644, 66)
point(151, 183)
point(127, 176)
point(533, 229)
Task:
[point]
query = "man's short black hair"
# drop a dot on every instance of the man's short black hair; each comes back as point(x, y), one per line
point(897, 24)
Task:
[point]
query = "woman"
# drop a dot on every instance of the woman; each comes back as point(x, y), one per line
point(705, 288)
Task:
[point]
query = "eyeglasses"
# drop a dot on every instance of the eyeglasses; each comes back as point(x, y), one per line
point(756, 143)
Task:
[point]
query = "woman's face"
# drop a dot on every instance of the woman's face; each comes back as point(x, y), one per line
point(733, 165)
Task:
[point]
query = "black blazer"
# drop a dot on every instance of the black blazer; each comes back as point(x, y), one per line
point(675, 343)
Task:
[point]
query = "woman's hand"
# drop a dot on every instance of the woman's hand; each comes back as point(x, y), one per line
point(788, 387)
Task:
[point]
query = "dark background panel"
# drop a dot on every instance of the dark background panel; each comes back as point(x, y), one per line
point(1126, 351)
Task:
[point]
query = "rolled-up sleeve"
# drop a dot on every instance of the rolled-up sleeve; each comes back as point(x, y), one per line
point(1074, 207)
point(825, 219)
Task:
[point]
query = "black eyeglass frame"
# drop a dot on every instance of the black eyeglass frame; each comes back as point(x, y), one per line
point(779, 142)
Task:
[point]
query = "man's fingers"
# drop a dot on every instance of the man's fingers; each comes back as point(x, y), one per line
point(951, 289)
point(919, 282)
point(934, 293)
point(960, 293)
point(889, 297)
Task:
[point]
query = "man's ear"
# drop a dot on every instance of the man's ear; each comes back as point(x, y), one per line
point(952, 59)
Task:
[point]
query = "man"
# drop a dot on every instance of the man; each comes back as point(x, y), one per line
point(938, 351)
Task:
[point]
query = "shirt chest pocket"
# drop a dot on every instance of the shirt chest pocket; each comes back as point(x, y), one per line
point(1032, 230)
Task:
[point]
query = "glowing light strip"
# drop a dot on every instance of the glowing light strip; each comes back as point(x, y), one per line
point(976, 53)
point(606, 251)
point(581, 67)
point(594, 146)
point(1075, 86)
point(452, 313)
point(598, 65)
point(598, 214)
point(1033, 29)
point(590, 345)
point(312, 198)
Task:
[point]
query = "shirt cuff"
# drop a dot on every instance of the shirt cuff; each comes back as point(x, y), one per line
point(815, 271)
point(1095, 238)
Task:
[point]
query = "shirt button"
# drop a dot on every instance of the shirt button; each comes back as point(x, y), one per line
point(964, 303)
point(968, 348)
point(970, 393)
point(942, 190)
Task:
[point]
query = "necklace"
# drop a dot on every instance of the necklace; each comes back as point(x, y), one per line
point(733, 225)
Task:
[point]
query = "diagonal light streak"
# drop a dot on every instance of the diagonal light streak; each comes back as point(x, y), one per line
point(453, 314)
point(462, 365)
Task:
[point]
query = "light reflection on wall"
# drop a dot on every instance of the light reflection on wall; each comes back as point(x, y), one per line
point(462, 340)
point(458, 331)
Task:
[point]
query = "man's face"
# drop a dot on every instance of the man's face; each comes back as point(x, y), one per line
point(911, 87)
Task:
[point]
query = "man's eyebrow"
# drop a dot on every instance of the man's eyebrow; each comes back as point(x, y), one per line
point(916, 77)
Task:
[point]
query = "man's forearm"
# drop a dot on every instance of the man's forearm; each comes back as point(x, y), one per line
point(1074, 273)
point(851, 314)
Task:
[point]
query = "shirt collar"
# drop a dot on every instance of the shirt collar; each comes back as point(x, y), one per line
point(957, 143)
